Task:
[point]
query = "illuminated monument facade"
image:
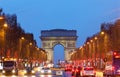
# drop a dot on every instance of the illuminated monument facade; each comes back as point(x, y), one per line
point(50, 38)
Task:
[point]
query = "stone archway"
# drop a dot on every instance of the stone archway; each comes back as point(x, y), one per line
point(67, 38)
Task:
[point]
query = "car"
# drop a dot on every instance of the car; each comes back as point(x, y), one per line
point(88, 71)
point(76, 71)
point(31, 70)
point(45, 70)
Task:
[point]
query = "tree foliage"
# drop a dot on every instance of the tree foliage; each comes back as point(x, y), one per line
point(13, 32)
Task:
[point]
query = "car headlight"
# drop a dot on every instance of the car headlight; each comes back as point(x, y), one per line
point(38, 69)
point(49, 71)
point(13, 71)
point(42, 71)
point(3, 71)
point(33, 71)
point(25, 71)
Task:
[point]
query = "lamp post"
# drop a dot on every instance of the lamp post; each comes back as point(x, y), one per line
point(106, 45)
point(100, 48)
point(20, 46)
point(95, 46)
point(28, 50)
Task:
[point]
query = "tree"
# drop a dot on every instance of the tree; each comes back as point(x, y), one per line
point(13, 33)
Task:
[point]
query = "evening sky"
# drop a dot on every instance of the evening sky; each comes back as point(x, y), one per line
point(85, 16)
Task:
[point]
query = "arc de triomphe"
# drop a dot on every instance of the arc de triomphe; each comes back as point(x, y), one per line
point(50, 38)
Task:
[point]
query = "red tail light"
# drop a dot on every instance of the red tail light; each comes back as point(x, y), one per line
point(73, 70)
point(76, 70)
point(88, 68)
point(114, 53)
point(113, 68)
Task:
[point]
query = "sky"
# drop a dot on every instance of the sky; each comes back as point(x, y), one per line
point(85, 16)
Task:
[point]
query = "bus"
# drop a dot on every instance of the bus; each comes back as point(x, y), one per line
point(10, 67)
point(112, 65)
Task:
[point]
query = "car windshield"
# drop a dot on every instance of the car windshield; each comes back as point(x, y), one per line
point(8, 63)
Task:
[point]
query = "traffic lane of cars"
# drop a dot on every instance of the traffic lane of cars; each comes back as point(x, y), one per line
point(79, 71)
point(37, 71)
point(40, 72)
point(89, 71)
point(28, 71)
point(63, 74)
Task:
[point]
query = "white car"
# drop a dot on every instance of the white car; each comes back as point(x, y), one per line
point(45, 70)
point(88, 71)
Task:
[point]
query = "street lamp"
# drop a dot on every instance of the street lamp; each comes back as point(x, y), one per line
point(30, 43)
point(1, 17)
point(95, 38)
point(5, 25)
point(20, 46)
point(91, 41)
point(102, 33)
point(95, 46)
point(22, 38)
point(88, 43)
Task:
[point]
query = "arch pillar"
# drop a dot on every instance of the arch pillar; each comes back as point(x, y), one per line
point(49, 52)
